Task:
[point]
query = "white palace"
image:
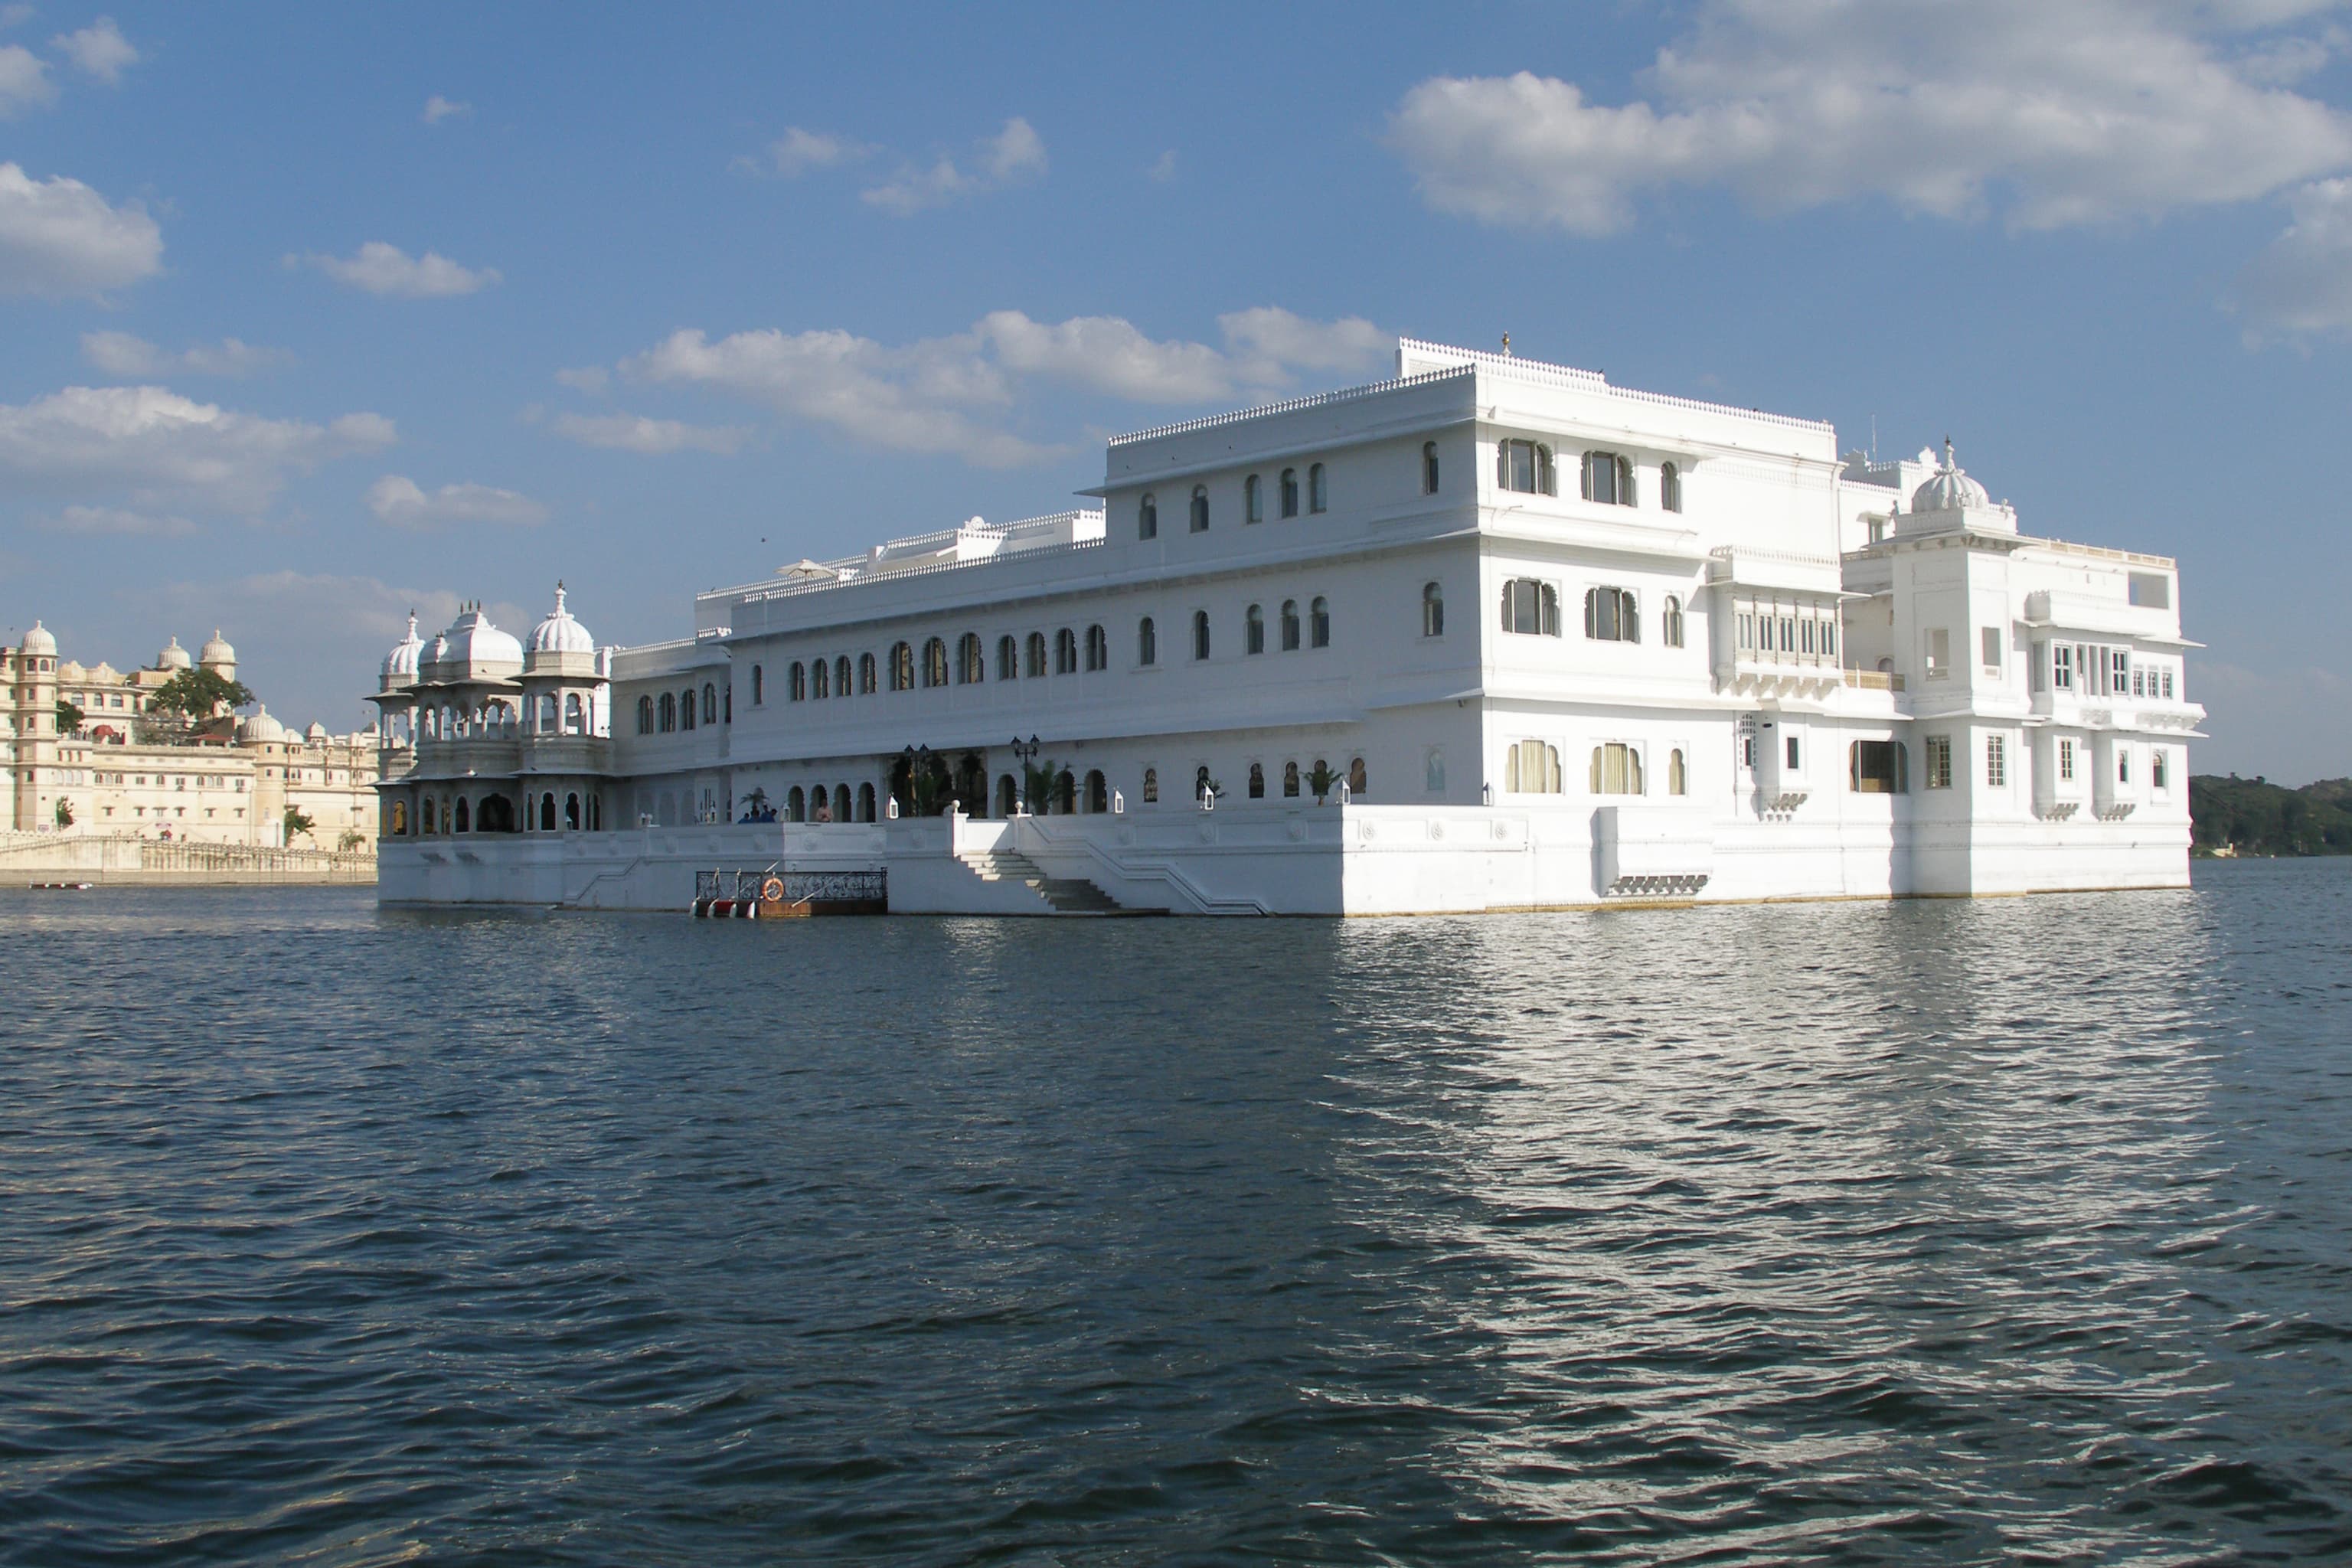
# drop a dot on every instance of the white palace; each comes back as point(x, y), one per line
point(1493, 634)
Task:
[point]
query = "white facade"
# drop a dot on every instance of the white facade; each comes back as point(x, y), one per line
point(1557, 644)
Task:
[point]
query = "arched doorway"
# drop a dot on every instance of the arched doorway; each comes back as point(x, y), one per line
point(547, 811)
point(1066, 792)
point(465, 816)
point(1008, 796)
point(497, 816)
point(1098, 793)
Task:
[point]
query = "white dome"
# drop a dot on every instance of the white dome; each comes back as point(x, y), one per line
point(472, 641)
point(260, 727)
point(1949, 488)
point(559, 633)
point(216, 650)
point(401, 662)
point(173, 657)
point(39, 640)
point(317, 732)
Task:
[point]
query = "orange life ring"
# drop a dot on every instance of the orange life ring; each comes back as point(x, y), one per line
point(773, 891)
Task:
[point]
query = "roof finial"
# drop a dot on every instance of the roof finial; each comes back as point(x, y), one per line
point(1947, 452)
point(1506, 346)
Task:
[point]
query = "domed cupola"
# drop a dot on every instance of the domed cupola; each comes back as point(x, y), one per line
point(259, 728)
point(1949, 488)
point(559, 638)
point(400, 664)
point(217, 655)
point(475, 649)
point(41, 642)
point(174, 657)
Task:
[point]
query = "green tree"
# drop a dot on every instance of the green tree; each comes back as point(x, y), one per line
point(70, 718)
point(64, 813)
point(1319, 779)
point(199, 694)
point(297, 824)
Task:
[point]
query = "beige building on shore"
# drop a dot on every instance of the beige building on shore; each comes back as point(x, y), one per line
point(231, 781)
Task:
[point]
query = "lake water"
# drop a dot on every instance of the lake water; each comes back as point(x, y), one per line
point(1846, 1232)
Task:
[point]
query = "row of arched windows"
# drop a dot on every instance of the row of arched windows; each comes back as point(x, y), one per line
point(677, 710)
point(1316, 629)
point(1606, 478)
point(1531, 609)
point(1317, 497)
point(1532, 767)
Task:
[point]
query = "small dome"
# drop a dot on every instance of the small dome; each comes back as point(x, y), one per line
point(216, 650)
point(260, 727)
point(559, 633)
point(1949, 488)
point(317, 732)
point(474, 641)
point(174, 657)
point(69, 670)
point(39, 640)
point(400, 664)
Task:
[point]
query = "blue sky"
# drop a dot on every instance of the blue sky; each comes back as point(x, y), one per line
point(310, 313)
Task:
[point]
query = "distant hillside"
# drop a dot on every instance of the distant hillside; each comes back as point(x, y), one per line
point(2254, 816)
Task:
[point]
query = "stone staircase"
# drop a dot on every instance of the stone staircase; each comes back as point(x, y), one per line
point(1067, 895)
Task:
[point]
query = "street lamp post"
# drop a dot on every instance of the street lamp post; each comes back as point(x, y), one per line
point(1025, 751)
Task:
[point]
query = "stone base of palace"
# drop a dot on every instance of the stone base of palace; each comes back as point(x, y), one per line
point(1351, 859)
point(121, 860)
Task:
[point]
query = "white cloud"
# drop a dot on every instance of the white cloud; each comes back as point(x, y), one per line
point(117, 522)
point(653, 437)
point(584, 378)
point(1015, 153)
point(797, 151)
point(2301, 286)
point(16, 15)
point(136, 359)
point(59, 238)
point(438, 109)
point(100, 50)
point(954, 395)
point(381, 268)
point(402, 502)
point(24, 81)
point(157, 447)
point(2087, 112)
point(1164, 170)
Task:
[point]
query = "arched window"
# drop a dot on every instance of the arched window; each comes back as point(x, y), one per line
point(546, 812)
point(1035, 663)
point(1097, 794)
point(797, 682)
point(1147, 643)
point(1318, 623)
point(820, 681)
point(1008, 796)
point(1254, 631)
point(1357, 780)
point(1200, 633)
point(1152, 786)
point(1670, 486)
point(1253, 499)
point(1608, 479)
point(465, 816)
point(1291, 626)
point(1008, 658)
point(668, 712)
point(1097, 648)
point(1524, 466)
point(645, 715)
point(758, 686)
point(709, 704)
point(1611, 616)
point(865, 803)
point(1066, 792)
point(1257, 781)
point(935, 661)
point(1530, 608)
point(865, 675)
point(1428, 467)
point(1200, 784)
point(1146, 519)
point(796, 805)
point(685, 707)
point(841, 802)
point(1531, 767)
point(1319, 494)
point(1291, 781)
point(545, 722)
point(972, 667)
point(1669, 621)
point(1200, 509)
point(399, 818)
point(841, 676)
point(902, 666)
point(1433, 610)
point(575, 719)
point(1290, 492)
point(1616, 769)
point(1066, 652)
point(572, 811)
point(1677, 772)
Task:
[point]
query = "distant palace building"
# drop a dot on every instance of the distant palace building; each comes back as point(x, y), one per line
point(230, 783)
point(1492, 635)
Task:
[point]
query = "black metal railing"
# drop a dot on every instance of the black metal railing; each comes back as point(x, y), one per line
point(792, 887)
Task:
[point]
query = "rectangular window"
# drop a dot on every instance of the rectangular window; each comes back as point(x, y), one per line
point(1805, 637)
point(1997, 761)
point(2151, 590)
point(2156, 769)
point(2122, 764)
point(1875, 767)
point(2066, 760)
point(1939, 654)
point(1939, 761)
point(2167, 685)
point(2119, 671)
point(1990, 639)
point(2061, 667)
point(1530, 607)
point(1747, 630)
point(1792, 754)
point(1787, 633)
